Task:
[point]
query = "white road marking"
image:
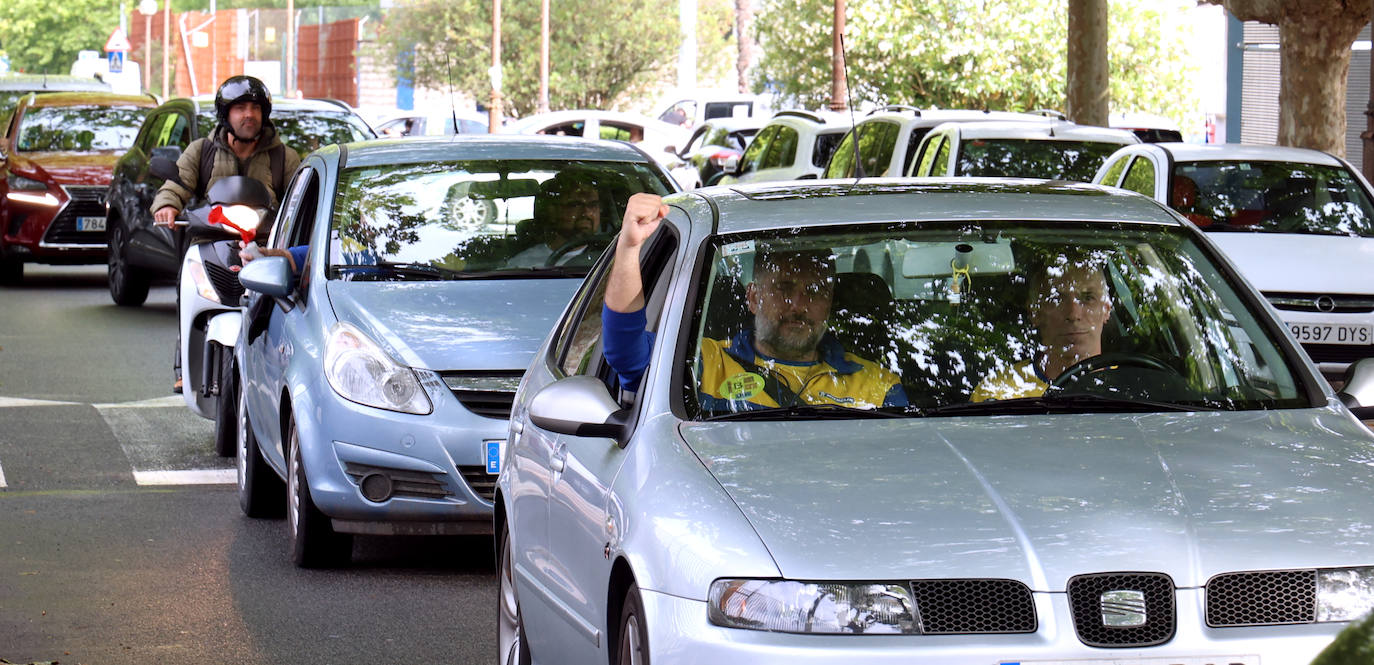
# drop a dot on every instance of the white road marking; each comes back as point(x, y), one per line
point(154, 403)
point(3, 485)
point(20, 401)
point(187, 477)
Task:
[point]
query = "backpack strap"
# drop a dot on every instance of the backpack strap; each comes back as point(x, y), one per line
point(277, 155)
point(207, 166)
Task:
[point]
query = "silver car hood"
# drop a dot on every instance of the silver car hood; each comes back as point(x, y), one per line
point(452, 325)
point(1299, 263)
point(1041, 499)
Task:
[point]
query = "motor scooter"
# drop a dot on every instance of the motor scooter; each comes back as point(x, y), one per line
point(209, 312)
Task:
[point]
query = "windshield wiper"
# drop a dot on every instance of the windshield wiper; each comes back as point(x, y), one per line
point(1057, 402)
point(408, 269)
point(806, 412)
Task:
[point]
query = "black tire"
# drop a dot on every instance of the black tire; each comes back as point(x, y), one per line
point(128, 285)
point(227, 406)
point(261, 492)
point(633, 636)
point(513, 648)
point(314, 543)
point(11, 271)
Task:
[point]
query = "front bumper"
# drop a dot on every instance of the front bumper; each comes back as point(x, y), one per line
point(431, 462)
point(680, 633)
point(50, 233)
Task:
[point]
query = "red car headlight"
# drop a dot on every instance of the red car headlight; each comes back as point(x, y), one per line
point(28, 190)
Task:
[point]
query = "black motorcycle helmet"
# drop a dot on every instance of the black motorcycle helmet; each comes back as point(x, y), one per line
point(241, 88)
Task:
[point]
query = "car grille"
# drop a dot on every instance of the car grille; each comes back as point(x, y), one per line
point(1086, 600)
point(1323, 303)
point(85, 202)
point(416, 484)
point(1262, 598)
point(483, 484)
point(488, 394)
point(226, 282)
point(951, 607)
point(1338, 353)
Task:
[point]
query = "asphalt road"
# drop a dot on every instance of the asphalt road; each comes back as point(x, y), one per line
point(99, 564)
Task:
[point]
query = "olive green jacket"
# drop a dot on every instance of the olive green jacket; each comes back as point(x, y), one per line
point(258, 166)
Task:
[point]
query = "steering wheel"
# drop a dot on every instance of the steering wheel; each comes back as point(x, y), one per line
point(594, 242)
point(1100, 362)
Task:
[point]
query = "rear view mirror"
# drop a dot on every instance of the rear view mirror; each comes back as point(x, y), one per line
point(937, 259)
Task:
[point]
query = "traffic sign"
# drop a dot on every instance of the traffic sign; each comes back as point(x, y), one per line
point(118, 42)
point(116, 61)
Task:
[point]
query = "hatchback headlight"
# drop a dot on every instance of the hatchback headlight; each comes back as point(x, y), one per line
point(359, 371)
point(1344, 594)
point(812, 607)
point(20, 183)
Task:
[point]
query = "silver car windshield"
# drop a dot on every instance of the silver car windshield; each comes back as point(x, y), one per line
point(959, 318)
point(1272, 197)
point(493, 219)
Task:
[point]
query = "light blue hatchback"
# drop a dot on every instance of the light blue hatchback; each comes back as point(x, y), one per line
point(378, 377)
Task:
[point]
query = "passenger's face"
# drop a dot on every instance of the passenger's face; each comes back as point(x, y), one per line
point(790, 305)
point(578, 212)
point(245, 120)
point(1070, 308)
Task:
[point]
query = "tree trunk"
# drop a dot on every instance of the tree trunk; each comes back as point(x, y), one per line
point(1314, 57)
point(839, 86)
point(1088, 91)
point(744, 35)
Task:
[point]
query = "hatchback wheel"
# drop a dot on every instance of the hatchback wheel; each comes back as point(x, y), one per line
point(261, 493)
point(226, 409)
point(314, 543)
point(514, 648)
point(634, 634)
point(128, 285)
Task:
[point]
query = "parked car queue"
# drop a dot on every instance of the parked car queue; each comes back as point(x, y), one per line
point(499, 412)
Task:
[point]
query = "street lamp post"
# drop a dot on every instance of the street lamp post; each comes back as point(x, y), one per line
point(166, 43)
point(147, 8)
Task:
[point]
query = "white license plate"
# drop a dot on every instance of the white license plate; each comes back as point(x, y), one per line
point(1194, 660)
point(90, 223)
point(493, 455)
point(1332, 333)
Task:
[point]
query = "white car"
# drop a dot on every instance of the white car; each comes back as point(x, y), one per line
point(794, 145)
point(889, 136)
point(690, 108)
point(1299, 223)
point(713, 144)
point(1045, 148)
point(419, 123)
point(653, 136)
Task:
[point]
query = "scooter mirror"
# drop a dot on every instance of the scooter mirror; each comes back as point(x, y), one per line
point(269, 275)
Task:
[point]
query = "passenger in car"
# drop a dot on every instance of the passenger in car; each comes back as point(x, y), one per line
point(787, 358)
point(1069, 306)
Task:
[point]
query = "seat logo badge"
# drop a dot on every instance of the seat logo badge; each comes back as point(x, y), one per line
point(1325, 303)
point(1123, 608)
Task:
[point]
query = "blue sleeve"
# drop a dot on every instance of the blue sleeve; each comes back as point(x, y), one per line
point(626, 345)
point(896, 396)
point(298, 254)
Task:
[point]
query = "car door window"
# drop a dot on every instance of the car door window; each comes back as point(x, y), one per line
point(1140, 177)
point(580, 337)
point(617, 132)
point(754, 153)
point(940, 166)
point(913, 142)
point(875, 147)
point(783, 149)
point(842, 162)
point(928, 151)
point(1112, 176)
point(175, 132)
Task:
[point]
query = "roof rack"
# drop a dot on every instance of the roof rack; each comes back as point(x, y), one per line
point(801, 114)
point(895, 107)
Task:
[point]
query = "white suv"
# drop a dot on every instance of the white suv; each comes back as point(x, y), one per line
point(794, 145)
point(1044, 148)
point(888, 138)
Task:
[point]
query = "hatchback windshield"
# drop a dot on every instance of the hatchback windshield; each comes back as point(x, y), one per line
point(78, 128)
point(1032, 158)
point(1274, 197)
point(476, 219)
point(976, 318)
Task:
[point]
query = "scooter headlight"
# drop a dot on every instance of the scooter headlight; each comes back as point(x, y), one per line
point(196, 269)
point(245, 217)
point(360, 371)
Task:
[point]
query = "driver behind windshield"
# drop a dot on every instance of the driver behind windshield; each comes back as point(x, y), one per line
point(787, 358)
point(1069, 306)
point(567, 211)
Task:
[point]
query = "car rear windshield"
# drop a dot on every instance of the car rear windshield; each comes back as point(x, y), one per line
point(1274, 197)
point(78, 128)
point(959, 314)
point(494, 219)
point(1033, 158)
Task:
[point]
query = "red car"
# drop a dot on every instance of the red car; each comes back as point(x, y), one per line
point(57, 156)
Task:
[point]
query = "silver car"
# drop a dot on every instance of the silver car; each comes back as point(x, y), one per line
point(1190, 492)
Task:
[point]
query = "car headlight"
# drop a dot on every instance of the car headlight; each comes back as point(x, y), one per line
point(359, 371)
point(812, 607)
point(28, 190)
point(20, 183)
point(1344, 594)
point(196, 269)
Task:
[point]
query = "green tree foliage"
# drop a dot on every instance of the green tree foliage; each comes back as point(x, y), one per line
point(44, 37)
point(1005, 55)
point(598, 48)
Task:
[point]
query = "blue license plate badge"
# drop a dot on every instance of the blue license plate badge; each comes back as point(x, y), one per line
point(493, 448)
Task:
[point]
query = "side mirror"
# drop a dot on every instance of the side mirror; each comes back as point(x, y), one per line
point(1357, 393)
point(577, 406)
point(163, 163)
point(269, 275)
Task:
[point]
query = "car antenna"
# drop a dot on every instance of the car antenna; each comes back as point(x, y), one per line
point(448, 65)
point(849, 99)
